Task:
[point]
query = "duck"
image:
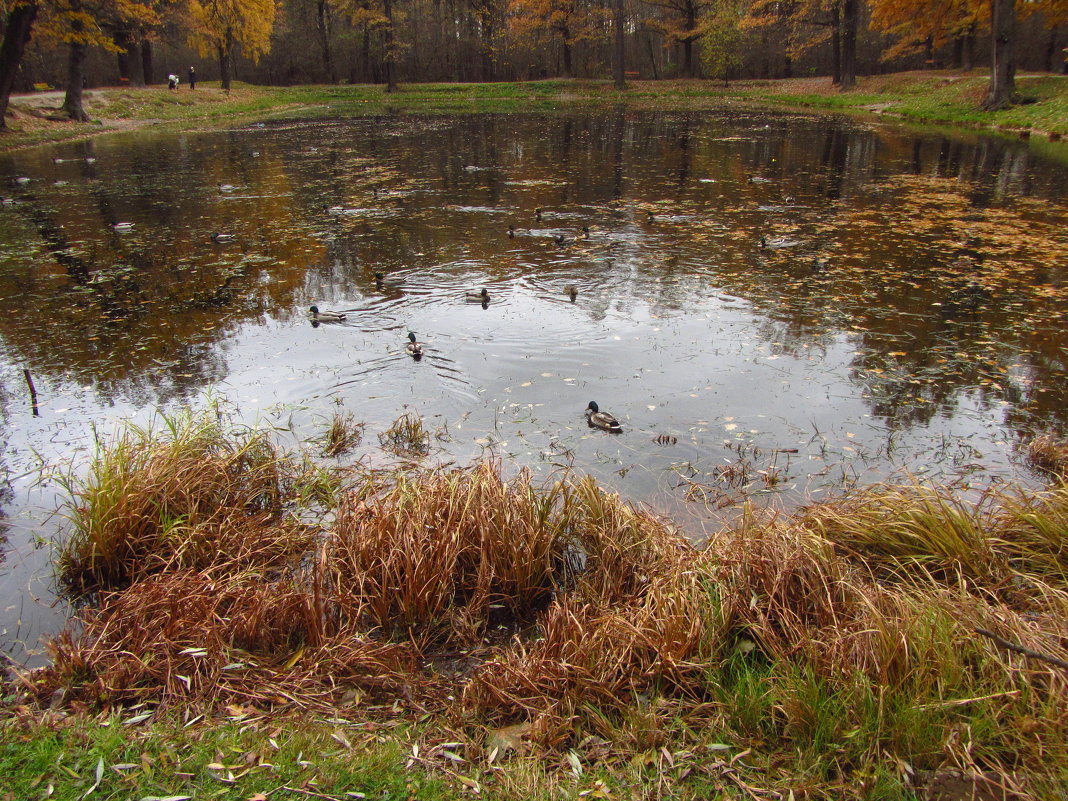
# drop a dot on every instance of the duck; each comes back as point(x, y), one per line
point(123, 226)
point(227, 187)
point(325, 316)
point(537, 214)
point(415, 349)
point(603, 420)
point(481, 296)
point(223, 239)
point(778, 242)
point(511, 232)
point(571, 291)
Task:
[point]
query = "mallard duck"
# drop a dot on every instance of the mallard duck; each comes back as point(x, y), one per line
point(415, 349)
point(511, 232)
point(123, 226)
point(223, 239)
point(481, 296)
point(585, 232)
point(775, 243)
point(227, 187)
point(571, 291)
point(537, 214)
point(560, 240)
point(603, 420)
point(325, 316)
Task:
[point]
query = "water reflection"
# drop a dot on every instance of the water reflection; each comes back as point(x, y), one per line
point(895, 318)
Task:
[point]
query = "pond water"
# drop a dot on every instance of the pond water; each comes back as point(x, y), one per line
point(905, 313)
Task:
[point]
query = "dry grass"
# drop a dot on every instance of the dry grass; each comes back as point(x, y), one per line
point(343, 435)
point(1049, 455)
point(562, 619)
point(176, 498)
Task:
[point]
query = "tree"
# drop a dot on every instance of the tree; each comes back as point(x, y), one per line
point(566, 21)
point(81, 24)
point(679, 23)
point(219, 26)
point(1003, 55)
point(618, 52)
point(723, 38)
point(18, 27)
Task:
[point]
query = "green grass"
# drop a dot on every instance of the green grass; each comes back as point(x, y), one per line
point(226, 758)
point(929, 98)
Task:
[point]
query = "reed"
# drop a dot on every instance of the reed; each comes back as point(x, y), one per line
point(343, 434)
point(407, 437)
point(183, 492)
point(832, 643)
point(1049, 455)
point(916, 531)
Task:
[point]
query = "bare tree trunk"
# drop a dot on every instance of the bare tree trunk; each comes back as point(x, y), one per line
point(849, 44)
point(146, 61)
point(565, 51)
point(618, 66)
point(836, 44)
point(390, 54)
point(226, 50)
point(322, 10)
point(1051, 49)
point(17, 30)
point(1003, 64)
point(72, 103)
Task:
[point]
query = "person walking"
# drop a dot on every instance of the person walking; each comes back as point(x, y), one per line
point(192, 78)
point(172, 81)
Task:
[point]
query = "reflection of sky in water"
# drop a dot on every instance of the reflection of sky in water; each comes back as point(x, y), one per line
point(894, 324)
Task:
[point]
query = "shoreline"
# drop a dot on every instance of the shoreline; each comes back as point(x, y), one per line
point(935, 99)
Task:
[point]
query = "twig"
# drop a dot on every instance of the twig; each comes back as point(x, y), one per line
point(33, 392)
point(1022, 650)
point(309, 792)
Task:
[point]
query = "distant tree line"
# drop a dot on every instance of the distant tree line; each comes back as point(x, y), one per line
point(74, 43)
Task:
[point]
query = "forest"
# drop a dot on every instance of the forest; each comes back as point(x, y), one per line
point(72, 43)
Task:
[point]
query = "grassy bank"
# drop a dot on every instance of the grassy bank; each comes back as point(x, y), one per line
point(257, 624)
point(924, 97)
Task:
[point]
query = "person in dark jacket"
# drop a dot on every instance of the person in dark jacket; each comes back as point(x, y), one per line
point(192, 78)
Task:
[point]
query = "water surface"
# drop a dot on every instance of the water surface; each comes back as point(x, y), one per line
point(905, 314)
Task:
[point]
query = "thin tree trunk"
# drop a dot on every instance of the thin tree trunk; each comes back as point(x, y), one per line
point(566, 53)
point(968, 49)
point(146, 61)
point(836, 44)
point(849, 44)
point(1051, 48)
point(1003, 66)
point(125, 41)
point(17, 32)
point(390, 55)
point(618, 66)
point(323, 21)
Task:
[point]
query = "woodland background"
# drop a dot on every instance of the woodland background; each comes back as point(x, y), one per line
point(378, 41)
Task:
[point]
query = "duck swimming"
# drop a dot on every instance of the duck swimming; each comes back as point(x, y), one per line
point(415, 349)
point(603, 420)
point(325, 316)
point(571, 291)
point(223, 239)
point(123, 226)
point(478, 297)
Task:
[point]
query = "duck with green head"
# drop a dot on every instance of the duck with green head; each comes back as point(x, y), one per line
point(415, 349)
point(325, 316)
point(602, 420)
point(481, 296)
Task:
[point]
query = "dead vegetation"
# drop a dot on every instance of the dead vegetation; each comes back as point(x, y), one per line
point(899, 626)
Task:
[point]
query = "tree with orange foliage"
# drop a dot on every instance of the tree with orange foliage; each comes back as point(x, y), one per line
point(220, 26)
point(834, 20)
point(568, 22)
point(82, 24)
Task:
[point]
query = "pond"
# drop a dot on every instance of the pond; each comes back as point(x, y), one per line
point(775, 306)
